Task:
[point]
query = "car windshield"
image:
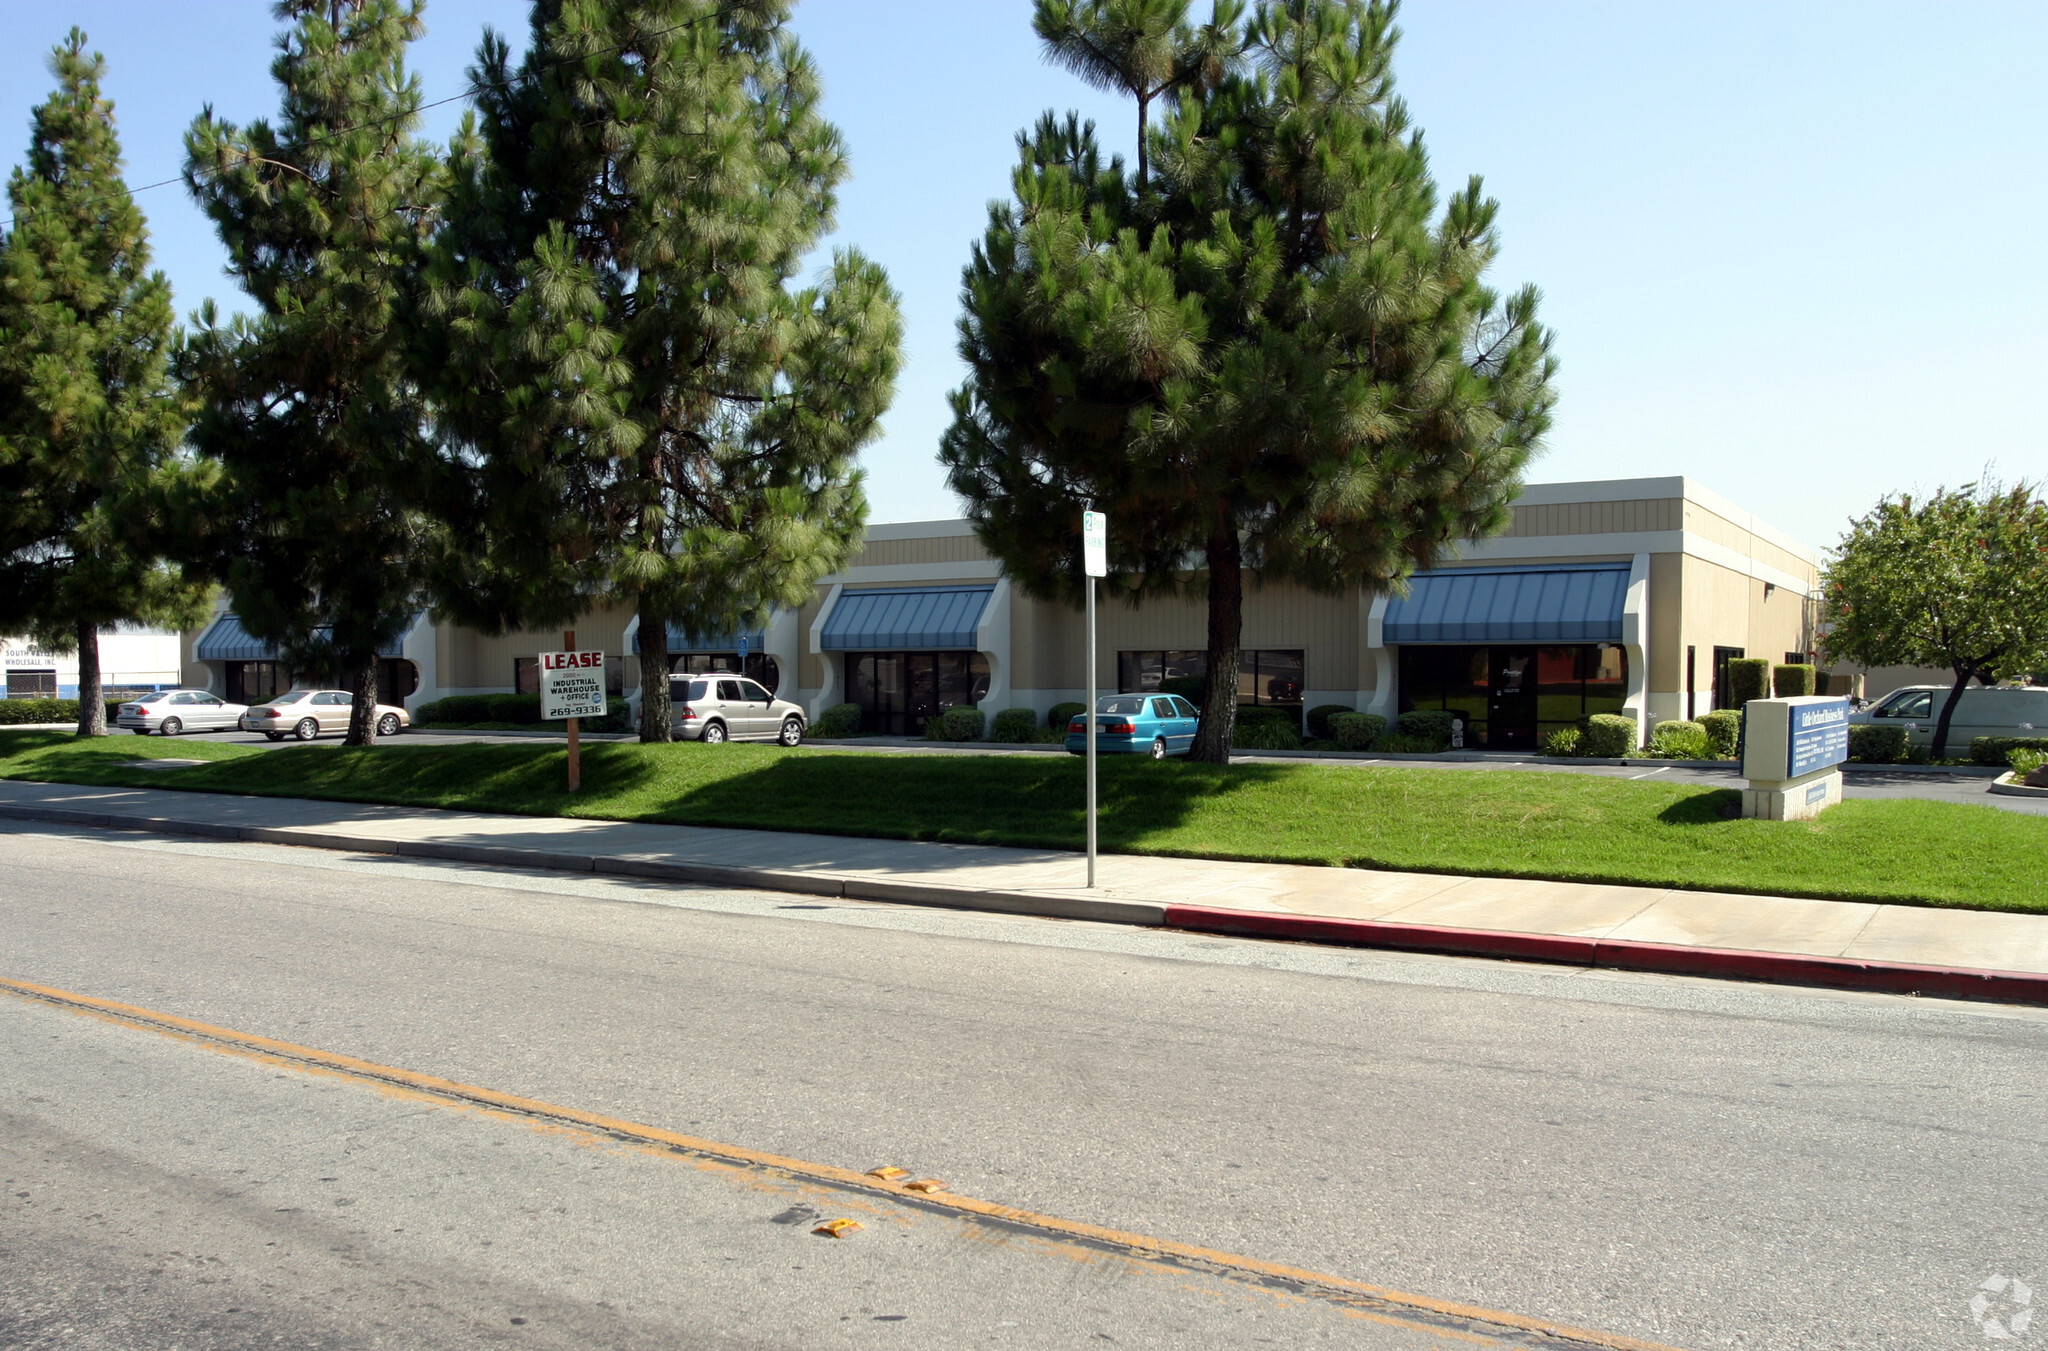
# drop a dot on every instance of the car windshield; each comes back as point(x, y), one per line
point(1129, 705)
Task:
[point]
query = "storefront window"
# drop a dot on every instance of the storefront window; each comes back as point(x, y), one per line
point(758, 666)
point(1492, 689)
point(1264, 676)
point(899, 691)
point(255, 682)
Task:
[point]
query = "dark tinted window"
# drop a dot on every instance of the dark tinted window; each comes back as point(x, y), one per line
point(729, 689)
point(753, 692)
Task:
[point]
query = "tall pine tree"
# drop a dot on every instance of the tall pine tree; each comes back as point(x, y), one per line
point(319, 525)
point(90, 418)
point(653, 414)
point(1274, 354)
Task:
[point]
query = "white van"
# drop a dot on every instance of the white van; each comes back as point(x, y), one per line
point(2004, 710)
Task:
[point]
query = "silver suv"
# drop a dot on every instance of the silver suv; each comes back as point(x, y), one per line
point(718, 708)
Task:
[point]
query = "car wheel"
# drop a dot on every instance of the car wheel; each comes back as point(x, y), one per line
point(172, 727)
point(1159, 748)
point(388, 725)
point(274, 736)
point(714, 732)
point(792, 731)
point(307, 729)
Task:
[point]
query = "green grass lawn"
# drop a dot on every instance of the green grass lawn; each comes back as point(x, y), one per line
point(1518, 824)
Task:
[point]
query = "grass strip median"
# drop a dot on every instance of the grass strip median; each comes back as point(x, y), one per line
point(1525, 824)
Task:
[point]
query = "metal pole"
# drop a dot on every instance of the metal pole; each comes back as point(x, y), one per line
point(575, 727)
point(1090, 715)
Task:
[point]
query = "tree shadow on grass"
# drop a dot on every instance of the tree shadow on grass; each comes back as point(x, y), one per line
point(1032, 802)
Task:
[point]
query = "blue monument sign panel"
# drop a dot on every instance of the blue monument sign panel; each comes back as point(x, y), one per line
point(1819, 736)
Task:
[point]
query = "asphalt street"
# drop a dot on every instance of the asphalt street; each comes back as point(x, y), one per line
point(1692, 1163)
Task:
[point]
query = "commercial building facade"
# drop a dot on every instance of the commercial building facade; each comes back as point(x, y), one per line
point(1616, 596)
point(134, 659)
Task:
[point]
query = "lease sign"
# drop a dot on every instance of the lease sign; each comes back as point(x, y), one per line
point(571, 685)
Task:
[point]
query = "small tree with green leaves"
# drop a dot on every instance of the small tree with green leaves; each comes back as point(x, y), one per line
point(1957, 580)
point(319, 523)
point(1271, 351)
point(90, 417)
point(652, 414)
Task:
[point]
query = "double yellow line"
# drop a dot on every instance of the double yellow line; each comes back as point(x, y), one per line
point(1456, 1322)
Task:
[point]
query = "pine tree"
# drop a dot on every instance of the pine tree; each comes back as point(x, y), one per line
point(319, 525)
point(655, 417)
point(1273, 353)
point(1958, 580)
point(90, 418)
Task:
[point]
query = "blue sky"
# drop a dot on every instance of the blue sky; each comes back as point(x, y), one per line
point(1791, 250)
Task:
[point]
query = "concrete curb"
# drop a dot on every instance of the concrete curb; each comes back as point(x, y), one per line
point(1785, 968)
point(2005, 789)
point(1842, 973)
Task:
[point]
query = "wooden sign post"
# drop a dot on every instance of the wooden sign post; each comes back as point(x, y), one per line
point(572, 688)
point(575, 727)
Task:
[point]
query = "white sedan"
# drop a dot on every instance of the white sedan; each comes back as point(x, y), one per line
point(175, 711)
point(306, 714)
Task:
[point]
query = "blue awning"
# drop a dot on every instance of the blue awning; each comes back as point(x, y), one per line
point(726, 641)
point(1564, 603)
point(906, 619)
point(226, 640)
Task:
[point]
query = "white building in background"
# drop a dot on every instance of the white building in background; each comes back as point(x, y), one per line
point(133, 658)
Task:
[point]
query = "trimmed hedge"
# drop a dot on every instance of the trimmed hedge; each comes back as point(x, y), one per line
point(1015, 724)
point(1319, 719)
point(1608, 736)
point(1399, 743)
point(840, 720)
point(962, 722)
point(1191, 688)
point(513, 708)
point(1873, 745)
point(1793, 680)
point(1356, 731)
point(1748, 678)
point(1563, 742)
point(1431, 725)
point(1724, 732)
point(1266, 729)
point(1996, 751)
point(1059, 715)
point(1679, 740)
point(15, 712)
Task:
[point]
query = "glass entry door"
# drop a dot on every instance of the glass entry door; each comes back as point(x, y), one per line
point(1511, 699)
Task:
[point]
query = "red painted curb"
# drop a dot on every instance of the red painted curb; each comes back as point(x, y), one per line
point(1842, 973)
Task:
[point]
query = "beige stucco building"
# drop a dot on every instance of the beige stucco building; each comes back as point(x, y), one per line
point(1619, 595)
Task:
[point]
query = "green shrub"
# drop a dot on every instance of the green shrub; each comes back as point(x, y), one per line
point(840, 720)
point(1724, 732)
point(1400, 743)
point(1996, 751)
point(1823, 680)
point(1059, 715)
point(1748, 678)
point(962, 722)
point(459, 709)
point(16, 712)
point(1563, 741)
point(1679, 740)
point(1793, 680)
point(1191, 688)
point(1014, 725)
point(1608, 736)
point(1356, 731)
point(2026, 762)
point(1319, 719)
point(1432, 725)
point(1872, 745)
point(1266, 729)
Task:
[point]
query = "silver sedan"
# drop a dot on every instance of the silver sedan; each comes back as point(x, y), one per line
point(306, 714)
point(175, 711)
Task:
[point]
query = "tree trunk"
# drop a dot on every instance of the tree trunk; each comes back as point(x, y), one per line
point(362, 708)
point(1939, 750)
point(655, 715)
point(92, 705)
point(1226, 628)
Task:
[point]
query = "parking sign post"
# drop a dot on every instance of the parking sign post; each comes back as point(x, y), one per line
point(1094, 563)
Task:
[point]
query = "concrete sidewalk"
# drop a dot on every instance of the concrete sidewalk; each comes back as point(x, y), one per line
point(1840, 943)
